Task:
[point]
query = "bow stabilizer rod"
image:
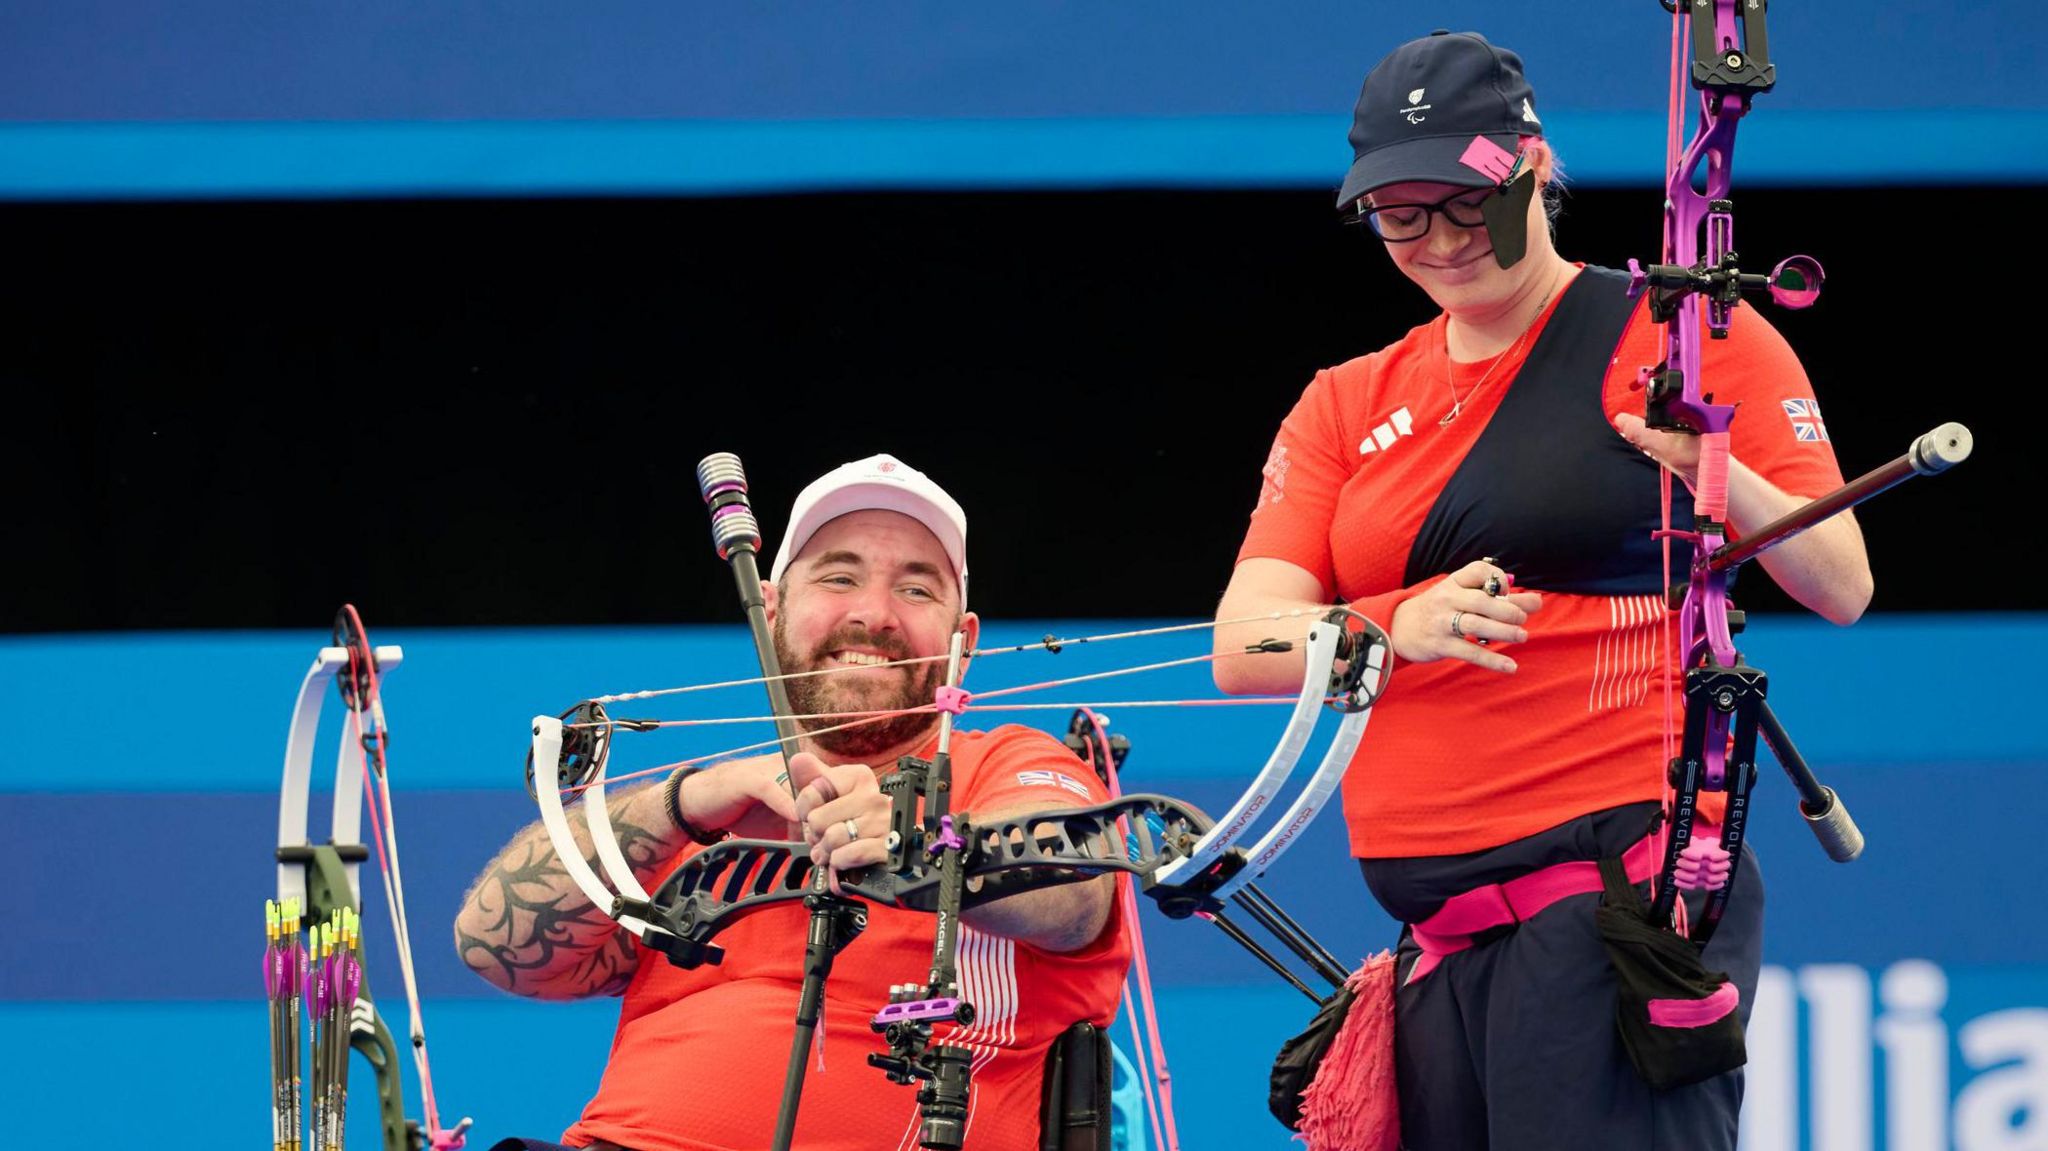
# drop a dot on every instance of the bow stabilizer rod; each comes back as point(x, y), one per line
point(736, 533)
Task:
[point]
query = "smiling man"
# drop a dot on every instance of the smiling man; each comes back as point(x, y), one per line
point(872, 571)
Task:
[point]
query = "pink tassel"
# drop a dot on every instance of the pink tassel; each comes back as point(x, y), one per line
point(1351, 1104)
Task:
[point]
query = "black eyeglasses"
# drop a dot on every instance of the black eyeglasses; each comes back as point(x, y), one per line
point(1401, 223)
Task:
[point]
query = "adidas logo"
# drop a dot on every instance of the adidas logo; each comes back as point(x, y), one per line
point(1529, 113)
point(1399, 424)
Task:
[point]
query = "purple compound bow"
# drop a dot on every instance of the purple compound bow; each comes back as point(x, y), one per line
point(1725, 706)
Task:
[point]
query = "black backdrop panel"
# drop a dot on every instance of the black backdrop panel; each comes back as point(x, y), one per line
point(487, 412)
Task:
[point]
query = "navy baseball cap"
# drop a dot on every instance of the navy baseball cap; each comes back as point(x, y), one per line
point(1423, 105)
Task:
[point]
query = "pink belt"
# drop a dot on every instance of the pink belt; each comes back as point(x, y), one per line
point(1481, 909)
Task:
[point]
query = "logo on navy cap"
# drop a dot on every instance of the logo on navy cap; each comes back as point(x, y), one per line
point(1416, 107)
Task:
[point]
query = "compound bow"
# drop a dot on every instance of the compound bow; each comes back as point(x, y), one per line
point(943, 861)
point(1725, 706)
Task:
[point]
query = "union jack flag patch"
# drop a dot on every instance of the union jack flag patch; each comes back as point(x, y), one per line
point(1806, 424)
point(1052, 779)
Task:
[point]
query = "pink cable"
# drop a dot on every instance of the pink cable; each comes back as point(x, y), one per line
point(370, 786)
point(1147, 1074)
point(1171, 1139)
point(1674, 115)
point(376, 797)
point(1667, 660)
point(1144, 1065)
point(1094, 675)
point(1131, 921)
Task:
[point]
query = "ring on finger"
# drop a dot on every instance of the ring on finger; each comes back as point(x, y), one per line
point(1456, 631)
point(852, 830)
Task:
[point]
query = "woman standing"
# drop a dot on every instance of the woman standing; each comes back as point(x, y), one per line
point(1485, 488)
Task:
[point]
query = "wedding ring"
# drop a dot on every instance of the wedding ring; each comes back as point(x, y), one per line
point(1457, 631)
point(852, 830)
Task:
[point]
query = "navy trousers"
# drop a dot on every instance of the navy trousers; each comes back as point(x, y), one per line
point(1511, 1045)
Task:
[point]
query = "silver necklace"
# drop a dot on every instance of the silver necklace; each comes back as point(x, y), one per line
point(1457, 404)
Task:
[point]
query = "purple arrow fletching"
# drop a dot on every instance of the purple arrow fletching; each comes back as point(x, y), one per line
point(317, 993)
point(351, 979)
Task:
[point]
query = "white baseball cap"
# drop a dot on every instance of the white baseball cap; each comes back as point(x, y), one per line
point(884, 483)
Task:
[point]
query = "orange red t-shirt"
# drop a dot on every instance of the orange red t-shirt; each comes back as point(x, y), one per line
point(1457, 758)
point(698, 1060)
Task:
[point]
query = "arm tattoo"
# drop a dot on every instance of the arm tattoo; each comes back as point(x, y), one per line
point(527, 928)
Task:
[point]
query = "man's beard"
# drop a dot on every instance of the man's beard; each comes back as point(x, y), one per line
point(835, 693)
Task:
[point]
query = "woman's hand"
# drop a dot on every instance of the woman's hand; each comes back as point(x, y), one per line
point(1459, 617)
point(1826, 567)
point(1679, 454)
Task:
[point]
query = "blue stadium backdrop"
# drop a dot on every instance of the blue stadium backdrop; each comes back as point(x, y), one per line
point(1906, 1005)
point(119, 98)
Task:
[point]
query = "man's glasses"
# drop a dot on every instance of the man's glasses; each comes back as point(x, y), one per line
point(1401, 223)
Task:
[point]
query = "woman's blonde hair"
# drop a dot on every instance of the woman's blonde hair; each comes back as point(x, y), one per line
point(1542, 156)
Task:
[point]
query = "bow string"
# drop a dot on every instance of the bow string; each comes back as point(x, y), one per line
point(579, 742)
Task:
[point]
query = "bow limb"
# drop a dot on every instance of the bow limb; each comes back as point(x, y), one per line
point(598, 818)
point(295, 794)
point(322, 878)
point(547, 749)
point(1322, 656)
point(1287, 829)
